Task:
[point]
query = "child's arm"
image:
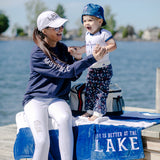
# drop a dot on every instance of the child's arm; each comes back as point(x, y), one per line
point(111, 45)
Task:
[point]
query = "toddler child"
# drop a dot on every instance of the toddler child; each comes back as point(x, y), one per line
point(100, 73)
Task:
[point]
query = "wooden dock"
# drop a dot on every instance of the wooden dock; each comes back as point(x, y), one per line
point(151, 142)
point(7, 139)
point(150, 137)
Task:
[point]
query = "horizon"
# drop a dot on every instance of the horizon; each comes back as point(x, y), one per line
point(139, 14)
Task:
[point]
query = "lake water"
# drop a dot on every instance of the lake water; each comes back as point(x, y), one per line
point(134, 66)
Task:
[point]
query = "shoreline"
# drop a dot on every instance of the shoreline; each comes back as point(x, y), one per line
point(7, 38)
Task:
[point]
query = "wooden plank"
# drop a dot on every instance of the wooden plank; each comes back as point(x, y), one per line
point(7, 139)
point(151, 144)
point(151, 155)
point(152, 132)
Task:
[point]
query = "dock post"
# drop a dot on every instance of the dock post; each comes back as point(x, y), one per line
point(158, 90)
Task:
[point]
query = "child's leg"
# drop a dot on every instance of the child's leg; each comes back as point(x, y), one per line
point(89, 99)
point(90, 95)
point(100, 106)
point(103, 82)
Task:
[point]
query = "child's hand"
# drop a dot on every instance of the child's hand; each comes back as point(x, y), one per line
point(74, 52)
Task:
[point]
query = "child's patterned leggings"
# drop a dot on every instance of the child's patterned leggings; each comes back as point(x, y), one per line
point(97, 88)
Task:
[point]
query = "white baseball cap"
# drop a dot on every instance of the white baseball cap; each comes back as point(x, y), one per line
point(49, 19)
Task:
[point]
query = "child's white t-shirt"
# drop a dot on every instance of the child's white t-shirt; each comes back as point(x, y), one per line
point(100, 38)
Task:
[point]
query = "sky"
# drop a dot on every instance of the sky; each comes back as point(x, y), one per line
point(141, 14)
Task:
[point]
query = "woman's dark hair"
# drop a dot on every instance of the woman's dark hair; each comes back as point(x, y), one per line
point(38, 38)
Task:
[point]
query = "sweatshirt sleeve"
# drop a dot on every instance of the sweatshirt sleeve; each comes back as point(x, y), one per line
point(41, 64)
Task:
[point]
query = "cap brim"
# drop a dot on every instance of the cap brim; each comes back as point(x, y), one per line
point(58, 22)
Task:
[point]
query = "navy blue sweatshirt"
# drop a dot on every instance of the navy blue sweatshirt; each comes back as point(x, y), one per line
point(50, 80)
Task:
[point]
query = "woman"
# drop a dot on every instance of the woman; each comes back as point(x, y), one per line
point(52, 70)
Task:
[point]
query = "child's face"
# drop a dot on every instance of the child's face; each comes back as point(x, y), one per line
point(92, 24)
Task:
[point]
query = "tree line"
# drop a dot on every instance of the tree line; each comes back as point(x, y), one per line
point(35, 7)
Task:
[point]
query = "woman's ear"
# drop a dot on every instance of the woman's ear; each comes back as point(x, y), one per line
point(44, 32)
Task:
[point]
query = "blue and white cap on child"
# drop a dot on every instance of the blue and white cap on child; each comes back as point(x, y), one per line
point(94, 10)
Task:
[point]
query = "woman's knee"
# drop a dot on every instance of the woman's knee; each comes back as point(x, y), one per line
point(42, 142)
point(65, 119)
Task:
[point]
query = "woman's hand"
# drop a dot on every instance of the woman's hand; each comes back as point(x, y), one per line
point(99, 52)
point(74, 52)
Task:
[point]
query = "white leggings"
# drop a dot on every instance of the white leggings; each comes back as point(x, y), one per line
point(37, 112)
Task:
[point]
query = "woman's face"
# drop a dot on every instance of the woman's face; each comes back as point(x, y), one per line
point(92, 24)
point(53, 35)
